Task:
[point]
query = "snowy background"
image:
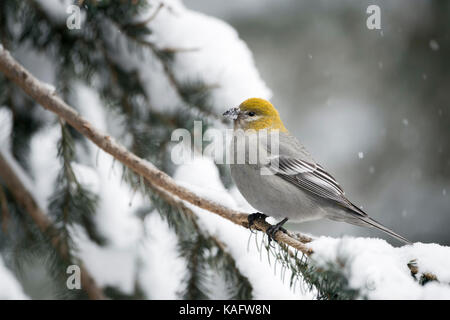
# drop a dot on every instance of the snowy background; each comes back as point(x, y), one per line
point(371, 106)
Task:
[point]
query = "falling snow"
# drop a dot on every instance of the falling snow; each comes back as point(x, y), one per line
point(434, 45)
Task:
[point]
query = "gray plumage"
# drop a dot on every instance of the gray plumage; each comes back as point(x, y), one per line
point(298, 188)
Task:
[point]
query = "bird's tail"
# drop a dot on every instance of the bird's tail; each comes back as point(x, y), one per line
point(375, 224)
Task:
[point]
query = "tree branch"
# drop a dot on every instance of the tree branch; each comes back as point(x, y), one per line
point(24, 198)
point(5, 211)
point(50, 101)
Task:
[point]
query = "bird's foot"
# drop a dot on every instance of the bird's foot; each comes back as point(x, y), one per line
point(272, 230)
point(255, 216)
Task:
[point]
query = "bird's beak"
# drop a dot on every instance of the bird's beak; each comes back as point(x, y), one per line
point(232, 113)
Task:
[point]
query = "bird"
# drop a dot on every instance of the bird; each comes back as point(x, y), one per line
point(281, 179)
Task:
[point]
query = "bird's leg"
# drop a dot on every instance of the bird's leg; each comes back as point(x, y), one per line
point(275, 228)
point(255, 216)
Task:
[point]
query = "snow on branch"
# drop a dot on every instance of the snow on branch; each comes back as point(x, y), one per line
point(371, 266)
point(48, 99)
point(13, 179)
point(10, 288)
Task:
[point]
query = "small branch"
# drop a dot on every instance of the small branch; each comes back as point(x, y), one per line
point(50, 101)
point(424, 277)
point(24, 198)
point(5, 211)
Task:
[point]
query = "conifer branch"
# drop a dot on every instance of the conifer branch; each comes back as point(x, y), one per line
point(25, 199)
point(48, 99)
point(165, 57)
point(5, 214)
point(244, 289)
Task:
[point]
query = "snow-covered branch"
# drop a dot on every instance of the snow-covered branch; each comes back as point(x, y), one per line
point(47, 98)
point(14, 181)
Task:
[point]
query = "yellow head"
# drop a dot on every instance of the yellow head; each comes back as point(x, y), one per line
point(256, 114)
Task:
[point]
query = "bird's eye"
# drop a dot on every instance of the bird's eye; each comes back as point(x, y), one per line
point(251, 114)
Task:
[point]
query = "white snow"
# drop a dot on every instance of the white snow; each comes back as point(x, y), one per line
point(162, 267)
point(222, 58)
point(380, 270)
point(44, 162)
point(373, 266)
point(202, 177)
point(209, 50)
point(434, 45)
point(56, 9)
point(5, 128)
point(10, 288)
point(114, 264)
point(49, 87)
point(115, 219)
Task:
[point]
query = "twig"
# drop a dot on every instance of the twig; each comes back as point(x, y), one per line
point(425, 276)
point(24, 198)
point(5, 211)
point(50, 101)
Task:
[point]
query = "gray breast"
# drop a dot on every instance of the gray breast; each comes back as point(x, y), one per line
point(275, 196)
point(271, 194)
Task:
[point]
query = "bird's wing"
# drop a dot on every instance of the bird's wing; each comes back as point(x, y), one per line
point(312, 178)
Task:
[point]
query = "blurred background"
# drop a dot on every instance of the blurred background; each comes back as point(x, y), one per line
point(372, 106)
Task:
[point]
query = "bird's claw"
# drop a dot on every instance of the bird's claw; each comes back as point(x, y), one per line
point(272, 230)
point(253, 217)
